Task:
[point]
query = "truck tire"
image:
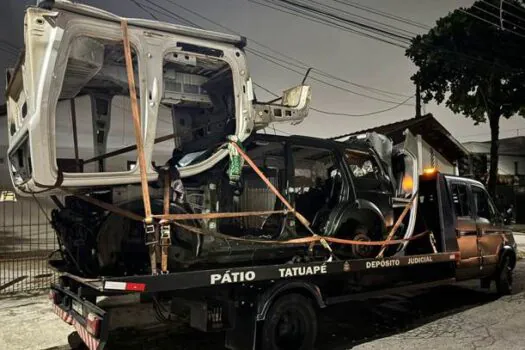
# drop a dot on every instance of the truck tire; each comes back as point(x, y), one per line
point(291, 324)
point(75, 342)
point(504, 276)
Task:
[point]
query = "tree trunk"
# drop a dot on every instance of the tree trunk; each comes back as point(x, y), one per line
point(494, 156)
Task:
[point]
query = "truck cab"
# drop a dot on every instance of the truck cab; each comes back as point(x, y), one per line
point(470, 218)
point(481, 233)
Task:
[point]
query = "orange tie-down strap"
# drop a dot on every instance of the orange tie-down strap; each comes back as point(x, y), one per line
point(302, 240)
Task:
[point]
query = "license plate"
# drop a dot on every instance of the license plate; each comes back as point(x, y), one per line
point(77, 307)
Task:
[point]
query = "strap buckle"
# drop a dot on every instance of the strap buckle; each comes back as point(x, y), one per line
point(150, 233)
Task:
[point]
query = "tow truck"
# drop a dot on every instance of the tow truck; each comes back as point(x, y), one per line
point(199, 81)
point(274, 306)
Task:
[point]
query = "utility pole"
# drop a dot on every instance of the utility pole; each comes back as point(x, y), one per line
point(418, 101)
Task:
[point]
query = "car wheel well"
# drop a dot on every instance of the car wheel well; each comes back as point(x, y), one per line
point(511, 255)
point(366, 218)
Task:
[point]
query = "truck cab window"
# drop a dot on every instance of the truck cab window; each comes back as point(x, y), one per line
point(460, 199)
point(484, 207)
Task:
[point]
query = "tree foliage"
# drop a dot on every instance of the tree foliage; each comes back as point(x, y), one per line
point(475, 66)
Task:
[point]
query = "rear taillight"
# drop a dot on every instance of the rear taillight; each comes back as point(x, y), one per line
point(93, 324)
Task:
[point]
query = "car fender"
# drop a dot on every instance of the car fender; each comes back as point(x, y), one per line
point(507, 249)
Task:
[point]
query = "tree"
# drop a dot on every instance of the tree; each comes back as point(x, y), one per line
point(475, 66)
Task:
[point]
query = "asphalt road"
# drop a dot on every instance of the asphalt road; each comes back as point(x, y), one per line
point(448, 317)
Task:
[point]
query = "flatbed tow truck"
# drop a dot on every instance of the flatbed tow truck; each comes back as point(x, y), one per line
point(82, 54)
point(274, 306)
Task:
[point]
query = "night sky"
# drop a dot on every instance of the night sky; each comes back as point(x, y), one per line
point(346, 55)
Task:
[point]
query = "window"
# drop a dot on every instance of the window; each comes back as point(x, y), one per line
point(254, 194)
point(94, 110)
point(365, 170)
point(460, 199)
point(362, 165)
point(484, 207)
point(197, 109)
point(7, 196)
point(317, 181)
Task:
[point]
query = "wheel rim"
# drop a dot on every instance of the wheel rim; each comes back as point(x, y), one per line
point(290, 331)
point(362, 251)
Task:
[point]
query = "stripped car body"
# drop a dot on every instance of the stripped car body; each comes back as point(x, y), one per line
point(343, 189)
point(71, 82)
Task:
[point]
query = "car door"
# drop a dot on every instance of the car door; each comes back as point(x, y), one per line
point(489, 227)
point(466, 230)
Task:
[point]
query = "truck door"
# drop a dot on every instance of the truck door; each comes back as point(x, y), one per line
point(489, 229)
point(466, 231)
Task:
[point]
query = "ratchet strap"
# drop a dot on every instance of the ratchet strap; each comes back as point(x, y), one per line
point(398, 223)
point(196, 230)
point(165, 234)
point(302, 240)
point(136, 124)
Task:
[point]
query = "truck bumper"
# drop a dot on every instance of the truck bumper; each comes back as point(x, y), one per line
point(75, 311)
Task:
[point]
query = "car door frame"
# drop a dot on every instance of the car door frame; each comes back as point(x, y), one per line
point(490, 235)
point(346, 194)
point(467, 236)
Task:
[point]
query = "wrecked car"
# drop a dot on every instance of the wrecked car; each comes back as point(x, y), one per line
point(70, 132)
point(344, 189)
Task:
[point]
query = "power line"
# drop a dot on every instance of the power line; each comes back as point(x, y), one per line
point(489, 22)
point(488, 132)
point(497, 17)
point(383, 14)
point(273, 60)
point(10, 46)
point(323, 111)
point(337, 17)
point(305, 65)
point(515, 6)
point(504, 11)
point(366, 18)
point(164, 11)
point(403, 103)
point(8, 51)
point(143, 8)
point(342, 114)
point(316, 19)
point(276, 61)
point(460, 54)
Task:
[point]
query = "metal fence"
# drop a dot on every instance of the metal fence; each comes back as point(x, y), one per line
point(26, 241)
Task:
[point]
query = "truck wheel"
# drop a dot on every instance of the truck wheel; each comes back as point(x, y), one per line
point(504, 277)
point(291, 324)
point(75, 342)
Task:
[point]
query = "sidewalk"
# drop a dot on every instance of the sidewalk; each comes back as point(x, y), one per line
point(519, 237)
point(518, 228)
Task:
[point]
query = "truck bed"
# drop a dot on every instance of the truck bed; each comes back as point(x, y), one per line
point(252, 274)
